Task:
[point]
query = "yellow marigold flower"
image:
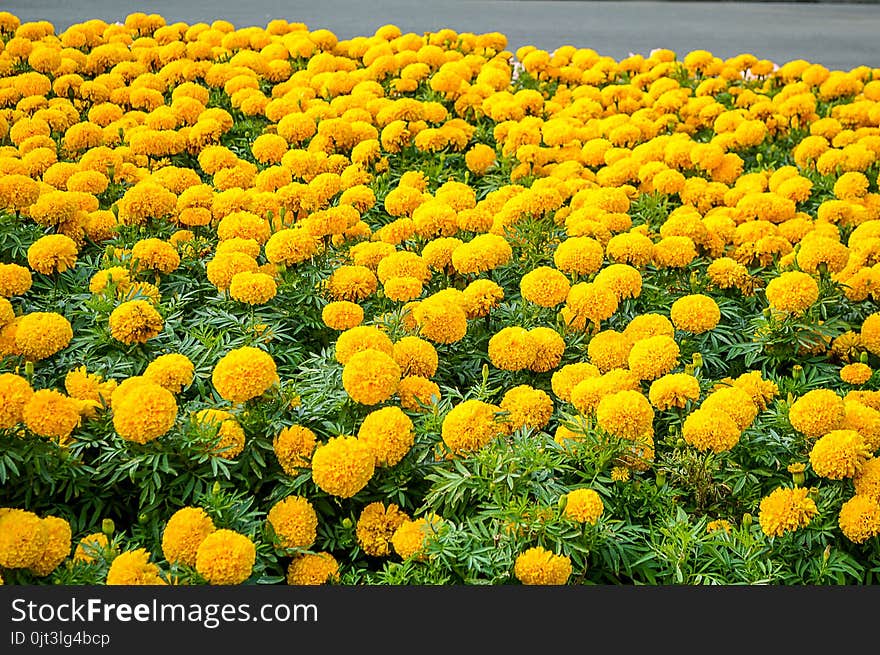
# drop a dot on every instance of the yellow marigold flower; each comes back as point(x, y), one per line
point(415, 356)
point(817, 412)
point(412, 537)
point(792, 292)
point(253, 288)
point(375, 527)
point(839, 454)
point(480, 297)
point(115, 275)
point(470, 425)
point(648, 325)
point(415, 391)
point(620, 474)
point(479, 159)
point(184, 532)
point(581, 255)
point(484, 252)
point(134, 568)
point(786, 510)
point(91, 387)
point(293, 447)
point(370, 376)
point(551, 347)
point(244, 373)
point(352, 283)
point(155, 255)
point(856, 373)
point(626, 414)
point(342, 315)
point(527, 407)
point(15, 280)
point(88, 547)
point(632, 248)
point(859, 518)
point(223, 267)
point(173, 371)
point(50, 413)
point(226, 557)
point(7, 312)
point(589, 302)
point(15, 392)
point(711, 429)
point(583, 506)
point(761, 391)
point(735, 402)
point(360, 338)
point(652, 357)
point(512, 348)
point(402, 289)
point(18, 192)
point(609, 349)
point(145, 415)
point(870, 333)
point(389, 434)
point(23, 538)
point(57, 546)
point(852, 185)
point(313, 569)
point(544, 286)
point(866, 481)
point(51, 253)
point(294, 522)
point(695, 313)
point(135, 321)
point(291, 246)
point(343, 466)
point(441, 318)
point(567, 378)
point(674, 390)
point(229, 435)
point(674, 252)
point(539, 566)
point(624, 280)
point(39, 335)
point(144, 201)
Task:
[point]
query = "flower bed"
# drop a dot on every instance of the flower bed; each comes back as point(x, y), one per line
point(280, 307)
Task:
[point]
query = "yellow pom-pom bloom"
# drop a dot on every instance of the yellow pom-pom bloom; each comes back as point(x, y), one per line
point(513, 348)
point(293, 447)
point(135, 321)
point(583, 506)
point(389, 434)
point(839, 454)
point(52, 253)
point(544, 286)
point(817, 412)
point(674, 390)
point(313, 569)
point(359, 338)
point(859, 518)
point(244, 373)
point(652, 357)
point(625, 414)
point(15, 392)
point(412, 537)
point(609, 349)
point(710, 429)
point(294, 522)
point(145, 414)
point(470, 425)
point(695, 313)
point(375, 527)
point(39, 335)
point(185, 531)
point(856, 373)
point(50, 413)
point(57, 548)
point(342, 315)
point(370, 376)
point(252, 288)
point(786, 510)
point(415, 356)
point(735, 402)
point(527, 407)
point(539, 566)
point(226, 557)
point(173, 371)
point(23, 537)
point(134, 568)
point(90, 547)
point(15, 280)
point(792, 292)
point(343, 466)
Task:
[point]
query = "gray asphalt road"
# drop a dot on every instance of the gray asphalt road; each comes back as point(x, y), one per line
point(839, 36)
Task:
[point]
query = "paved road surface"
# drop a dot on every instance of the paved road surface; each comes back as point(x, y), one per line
point(840, 36)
